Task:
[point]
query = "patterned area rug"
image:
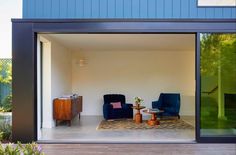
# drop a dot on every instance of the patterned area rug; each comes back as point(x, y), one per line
point(129, 124)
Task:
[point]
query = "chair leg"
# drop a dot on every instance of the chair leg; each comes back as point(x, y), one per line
point(178, 116)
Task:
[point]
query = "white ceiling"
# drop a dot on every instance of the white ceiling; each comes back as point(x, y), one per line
point(126, 42)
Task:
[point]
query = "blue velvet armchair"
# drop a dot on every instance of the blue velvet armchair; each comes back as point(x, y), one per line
point(109, 112)
point(169, 102)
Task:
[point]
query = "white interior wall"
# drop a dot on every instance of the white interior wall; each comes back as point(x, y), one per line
point(46, 85)
point(56, 77)
point(61, 70)
point(134, 73)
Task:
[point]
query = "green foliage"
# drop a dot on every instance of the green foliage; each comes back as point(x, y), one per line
point(218, 50)
point(138, 100)
point(20, 149)
point(31, 149)
point(6, 73)
point(7, 104)
point(9, 150)
point(5, 132)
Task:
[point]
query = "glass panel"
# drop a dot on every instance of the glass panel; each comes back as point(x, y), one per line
point(218, 84)
point(216, 3)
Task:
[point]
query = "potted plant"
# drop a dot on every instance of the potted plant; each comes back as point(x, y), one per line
point(138, 101)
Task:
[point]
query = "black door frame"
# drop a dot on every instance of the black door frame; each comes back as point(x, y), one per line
point(24, 47)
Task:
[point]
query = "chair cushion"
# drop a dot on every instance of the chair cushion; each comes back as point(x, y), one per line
point(116, 105)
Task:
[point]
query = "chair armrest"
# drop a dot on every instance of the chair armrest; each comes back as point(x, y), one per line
point(107, 106)
point(127, 106)
point(128, 110)
point(106, 110)
point(156, 104)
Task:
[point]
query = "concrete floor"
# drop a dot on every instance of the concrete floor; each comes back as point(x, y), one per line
point(84, 131)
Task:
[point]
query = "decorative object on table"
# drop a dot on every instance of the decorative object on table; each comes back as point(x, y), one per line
point(138, 116)
point(138, 101)
point(154, 112)
point(115, 107)
point(129, 124)
point(170, 103)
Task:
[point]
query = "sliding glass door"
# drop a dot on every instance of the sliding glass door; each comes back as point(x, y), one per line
point(217, 85)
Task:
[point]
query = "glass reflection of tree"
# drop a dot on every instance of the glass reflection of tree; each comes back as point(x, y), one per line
point(218, 57)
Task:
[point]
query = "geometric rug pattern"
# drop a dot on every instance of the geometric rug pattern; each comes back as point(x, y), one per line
point(129, 124)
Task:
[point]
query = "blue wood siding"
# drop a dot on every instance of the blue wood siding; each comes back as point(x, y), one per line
point(142, 9)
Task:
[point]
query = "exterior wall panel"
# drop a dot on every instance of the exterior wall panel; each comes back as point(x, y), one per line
point(120, 9)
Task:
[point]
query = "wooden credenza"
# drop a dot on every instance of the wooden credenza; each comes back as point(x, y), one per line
point(65, 109)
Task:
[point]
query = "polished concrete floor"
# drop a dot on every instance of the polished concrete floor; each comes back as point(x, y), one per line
point(84, 131)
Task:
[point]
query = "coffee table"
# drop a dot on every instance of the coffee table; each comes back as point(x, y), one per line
point(138, 116)
point(153, 112)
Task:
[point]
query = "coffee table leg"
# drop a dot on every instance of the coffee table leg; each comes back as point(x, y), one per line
point(153, 121)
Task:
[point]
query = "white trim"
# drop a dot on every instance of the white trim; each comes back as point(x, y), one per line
point(216, 2)
point(47, 121)
point(38, 89)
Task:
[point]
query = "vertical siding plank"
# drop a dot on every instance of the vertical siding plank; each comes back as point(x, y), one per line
point(127, 8)
point(135, 8)
point(233, 13)
point(71, 8)
point(193, 8)
point(176, 8)
point(103, 8)
point(160, 9)
point(201, 13)
point(168, 9)
point(25, 9)
point(184, 8)
point(226, 12)
point(151, 8)
point(119, 9)
point(80, 8)
point(55, 9)
point(63, 8)
point(95, 8)
point(31, 9)
point(47, 4)
point(210, 13)
point(87, 9)
point(39, 9)
point(143, 9)
point(111, 8)
point(218, 13)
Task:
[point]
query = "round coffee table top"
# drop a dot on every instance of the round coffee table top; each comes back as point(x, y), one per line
point(153, 111)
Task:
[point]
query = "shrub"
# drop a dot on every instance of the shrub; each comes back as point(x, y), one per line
point(9, 150)
point(31, 149)
point(7, 104)
point(19, 149)
point(5, 132)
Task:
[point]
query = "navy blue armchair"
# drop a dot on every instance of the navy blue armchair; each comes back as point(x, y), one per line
point(169, 102)
point(109, 112)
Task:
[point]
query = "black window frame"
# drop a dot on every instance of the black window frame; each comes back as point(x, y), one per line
point(24, 45)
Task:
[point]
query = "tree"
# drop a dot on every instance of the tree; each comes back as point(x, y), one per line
point(6, 82)
point(6, 73)
point(218, 57)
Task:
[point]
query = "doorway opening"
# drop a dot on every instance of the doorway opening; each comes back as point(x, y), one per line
point(85, 67)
